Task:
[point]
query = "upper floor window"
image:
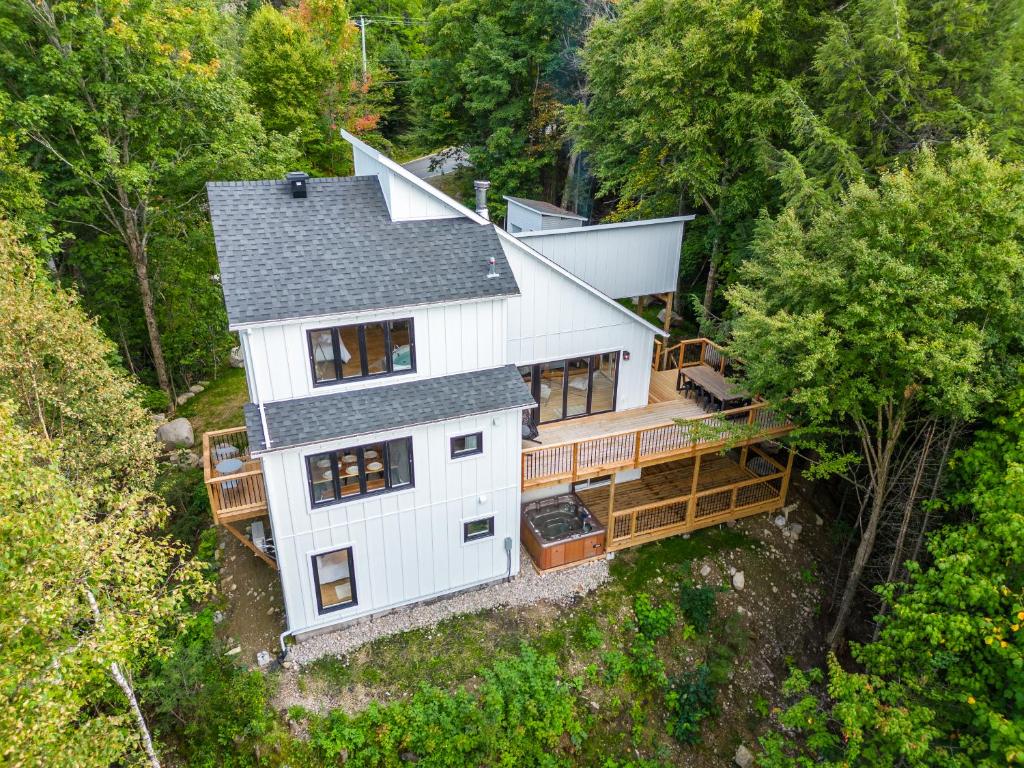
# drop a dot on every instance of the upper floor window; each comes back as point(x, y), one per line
point(359, 471)
point(349, 352)
point(467, 445)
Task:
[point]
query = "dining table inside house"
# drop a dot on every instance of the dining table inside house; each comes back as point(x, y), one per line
point(726, 394)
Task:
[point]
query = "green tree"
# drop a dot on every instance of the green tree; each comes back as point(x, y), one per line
point(942, 684)
point(127, 101)
point(301, 66)
point(898, 307)
point(87, 587)
point(684, 102)
point(488, 83)
point(890, 76)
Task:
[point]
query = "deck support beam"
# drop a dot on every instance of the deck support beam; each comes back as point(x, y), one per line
point(691, 505)
point(610, 527)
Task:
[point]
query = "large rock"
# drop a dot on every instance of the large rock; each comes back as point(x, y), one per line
point(235, 359)
point(739, 580)
point(176, 434)
point(184, 397)
point(743, 758)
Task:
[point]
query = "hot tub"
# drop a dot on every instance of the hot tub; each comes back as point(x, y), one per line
point(560, 530)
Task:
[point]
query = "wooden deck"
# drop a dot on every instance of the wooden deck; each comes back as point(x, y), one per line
point(686, 495)
point(238, 496)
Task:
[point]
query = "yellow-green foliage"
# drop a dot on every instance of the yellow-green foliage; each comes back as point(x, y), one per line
point(55, 368)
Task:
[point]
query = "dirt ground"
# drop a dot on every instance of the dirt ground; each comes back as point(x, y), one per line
point(254, 617)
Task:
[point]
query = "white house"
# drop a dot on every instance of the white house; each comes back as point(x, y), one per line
point(398, 349)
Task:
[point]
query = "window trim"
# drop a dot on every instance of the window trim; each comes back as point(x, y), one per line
point(453, 454)
point(320, 609)
point(467, 539)
point(536, 382)
point(365, 374)
point(360, 461)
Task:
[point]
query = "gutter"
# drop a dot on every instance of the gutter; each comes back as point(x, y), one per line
point(256, 391)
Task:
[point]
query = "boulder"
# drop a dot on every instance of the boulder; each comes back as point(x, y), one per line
point(705, 570)
point(795, 530)
point(176, 434)
point(184, 397)
point(738, 581)
point(195, 389)
point(818, 520)
point(235, 359)
point(743, 758)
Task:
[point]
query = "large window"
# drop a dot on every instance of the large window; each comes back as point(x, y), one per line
point(335, 579)
point(359, 471)
point(579, 386)
point(358, 351)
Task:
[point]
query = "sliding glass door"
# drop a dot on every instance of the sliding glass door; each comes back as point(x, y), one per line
point(579, 386)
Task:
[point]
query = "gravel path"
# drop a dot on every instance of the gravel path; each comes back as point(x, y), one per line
point(526, 588)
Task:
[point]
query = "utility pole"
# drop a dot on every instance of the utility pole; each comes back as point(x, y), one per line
point(362, 31)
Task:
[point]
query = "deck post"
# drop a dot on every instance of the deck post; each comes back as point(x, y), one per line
point(610, 528)
point(785, 478)
point(691, 505)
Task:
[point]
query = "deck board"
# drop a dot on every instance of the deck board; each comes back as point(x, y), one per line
point(663, 387)
point(589, 427)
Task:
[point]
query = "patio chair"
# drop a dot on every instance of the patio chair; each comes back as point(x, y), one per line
point(530, 431)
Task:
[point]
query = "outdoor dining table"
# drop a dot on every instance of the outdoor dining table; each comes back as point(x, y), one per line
point(717, 387)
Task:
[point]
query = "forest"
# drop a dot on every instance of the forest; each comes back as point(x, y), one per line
point(856, 171)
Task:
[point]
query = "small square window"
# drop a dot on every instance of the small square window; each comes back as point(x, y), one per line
point(335, 580)
point(467, 445)
point(478, 529)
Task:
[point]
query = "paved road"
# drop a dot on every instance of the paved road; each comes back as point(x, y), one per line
point(420, 167)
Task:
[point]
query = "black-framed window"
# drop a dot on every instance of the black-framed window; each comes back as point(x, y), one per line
point(577, 386)
point(478, 529)
point(467, 445)
point(358, 471)
point(334, 578)
point(348, 352)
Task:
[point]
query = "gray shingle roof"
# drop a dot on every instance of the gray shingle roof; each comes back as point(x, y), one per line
point(546, 208)
point(309, 420)
point(338, 250)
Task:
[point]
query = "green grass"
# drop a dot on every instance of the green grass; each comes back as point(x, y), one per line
point(669, 558)
point(220, 405)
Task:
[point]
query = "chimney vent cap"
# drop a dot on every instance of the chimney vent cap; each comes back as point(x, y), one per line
point(297, 180)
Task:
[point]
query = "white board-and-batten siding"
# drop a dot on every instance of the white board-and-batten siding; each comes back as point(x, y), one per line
point(449, 338)
point(405, 200)
point(620, 260)
point(407, 545)
point(555, 318)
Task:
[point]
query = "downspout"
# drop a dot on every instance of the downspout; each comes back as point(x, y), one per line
point(256, 390)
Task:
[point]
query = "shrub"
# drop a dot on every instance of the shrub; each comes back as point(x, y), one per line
point(653, 622)
point(644, 662)
point(690, 699)
point(520, 715)
point(212, 711)
point(697, 605)
point(615, 663)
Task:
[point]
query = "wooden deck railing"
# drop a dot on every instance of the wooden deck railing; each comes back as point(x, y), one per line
point(237, 496)
point(689, 352)
point(573, 461)
point(240, 495)
point(698, 509)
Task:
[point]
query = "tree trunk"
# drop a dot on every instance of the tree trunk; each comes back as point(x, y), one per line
point(867, 544)
point(712, 281)
point(126, 688)
point(878, 445)
point(140, 261)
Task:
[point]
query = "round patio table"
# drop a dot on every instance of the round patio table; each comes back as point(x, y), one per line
point(229, 467)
